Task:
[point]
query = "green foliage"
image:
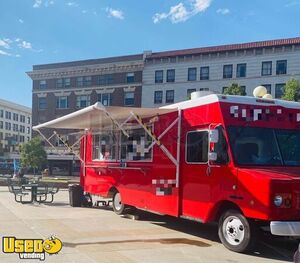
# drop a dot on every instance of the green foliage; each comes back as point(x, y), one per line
point(234, 89)
point(32, 154)
point(292, 90)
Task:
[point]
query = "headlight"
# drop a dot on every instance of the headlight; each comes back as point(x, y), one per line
point(278, 200)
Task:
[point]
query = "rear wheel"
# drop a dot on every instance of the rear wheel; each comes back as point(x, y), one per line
point(120, 208)
point(235, 231)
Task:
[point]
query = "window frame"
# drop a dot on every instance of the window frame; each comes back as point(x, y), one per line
point(58, 102)
point(169, 75)
point(156, 79)
point(130, 104)
point(276, 85)
point(202, 75)
point(44, 103)
point(227, 66)
point(238, 71)
point(277, 65)
point(160, 92)
point(194, 75)
point(270, 69)
point(78, 101)
point(186, 145)
point(172, 92)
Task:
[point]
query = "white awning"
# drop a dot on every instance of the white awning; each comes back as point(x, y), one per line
point(97, 116)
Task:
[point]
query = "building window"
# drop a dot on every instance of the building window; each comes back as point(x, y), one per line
point(281, 66)
point(204, 73)
point(243, 89)
point(227, 71)
point(130, 77)
point(8, 115)
point(63, 83)
point(268, 87)
point(67, 83)
point(61, 102)
point(197, 147)
point(106, 79)
point(84, 81)
point(204, 89)
point(15, 127)
point(22, 138)
point(28, 139)
point(43, 84)
point(266, 68)
point(28, 130)
point(279, 90)
point(189, 92)
point(170, 96)
point(22, 129)
point(159, 76)
point(42, 103)
point(158, 96)
point(192, 74)
point(59, 83)
point(1, 113)
point(105, 99)
point(87, 81)
point(15, 117)
point(7, 126)
point(1, 124)
point(129, 98)
point(22, 118)
point(83, 101)
point(28, 120)
point(171, 75)
point(241, 70)
point(79, 81)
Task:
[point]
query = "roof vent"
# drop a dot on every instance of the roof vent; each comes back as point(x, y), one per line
point(198, 94)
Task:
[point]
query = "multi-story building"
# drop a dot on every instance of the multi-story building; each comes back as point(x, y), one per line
point(62, 88)
point(171, 76)
point(15, 126)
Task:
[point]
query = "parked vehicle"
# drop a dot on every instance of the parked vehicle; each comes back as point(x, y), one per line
point(231, 159)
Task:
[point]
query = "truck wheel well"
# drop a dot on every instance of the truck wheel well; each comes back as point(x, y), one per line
point(112, 191)
point(222, 207)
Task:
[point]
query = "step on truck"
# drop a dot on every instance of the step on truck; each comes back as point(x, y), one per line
point(230, 159)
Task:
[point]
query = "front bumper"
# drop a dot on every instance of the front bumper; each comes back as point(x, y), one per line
point(285, 228)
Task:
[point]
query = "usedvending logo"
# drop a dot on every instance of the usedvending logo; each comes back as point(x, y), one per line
point(31, 248)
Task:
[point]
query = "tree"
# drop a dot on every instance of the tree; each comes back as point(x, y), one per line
point(291, 90)
point(32, 154)
point(234, 89)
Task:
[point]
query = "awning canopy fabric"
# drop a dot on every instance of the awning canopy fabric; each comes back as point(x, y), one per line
point(98, 116)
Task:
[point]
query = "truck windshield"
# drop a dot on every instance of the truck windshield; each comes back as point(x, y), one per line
point(265, 146)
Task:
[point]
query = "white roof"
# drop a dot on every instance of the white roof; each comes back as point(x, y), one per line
point(97, 116)
point(232, 99)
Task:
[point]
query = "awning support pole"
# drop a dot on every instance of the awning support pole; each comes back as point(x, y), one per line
point(115, 122)
point(161, 146)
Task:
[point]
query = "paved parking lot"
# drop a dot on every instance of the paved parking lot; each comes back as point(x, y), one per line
point(99, 235)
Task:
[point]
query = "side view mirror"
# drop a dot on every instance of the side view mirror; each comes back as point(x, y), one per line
point(212, 156)
point(213, 136)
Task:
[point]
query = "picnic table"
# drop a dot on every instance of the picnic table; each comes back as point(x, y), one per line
point(29, 191)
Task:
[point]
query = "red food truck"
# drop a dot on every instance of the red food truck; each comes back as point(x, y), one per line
point(231, 159)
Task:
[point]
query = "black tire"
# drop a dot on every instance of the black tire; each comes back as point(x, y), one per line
point(236, 232)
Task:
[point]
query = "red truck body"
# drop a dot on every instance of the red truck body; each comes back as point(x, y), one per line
point(203, 188)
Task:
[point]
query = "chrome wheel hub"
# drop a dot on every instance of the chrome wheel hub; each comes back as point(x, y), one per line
point(233, 230)
point(117, 201)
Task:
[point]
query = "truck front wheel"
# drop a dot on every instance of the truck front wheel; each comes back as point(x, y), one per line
point(235, 231)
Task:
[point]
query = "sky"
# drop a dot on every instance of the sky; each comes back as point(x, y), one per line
point(36, 32)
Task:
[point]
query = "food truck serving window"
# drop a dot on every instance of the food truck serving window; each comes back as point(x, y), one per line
point(114, 145)
point(197, 147)
point(137, 146)
point(104, 146)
